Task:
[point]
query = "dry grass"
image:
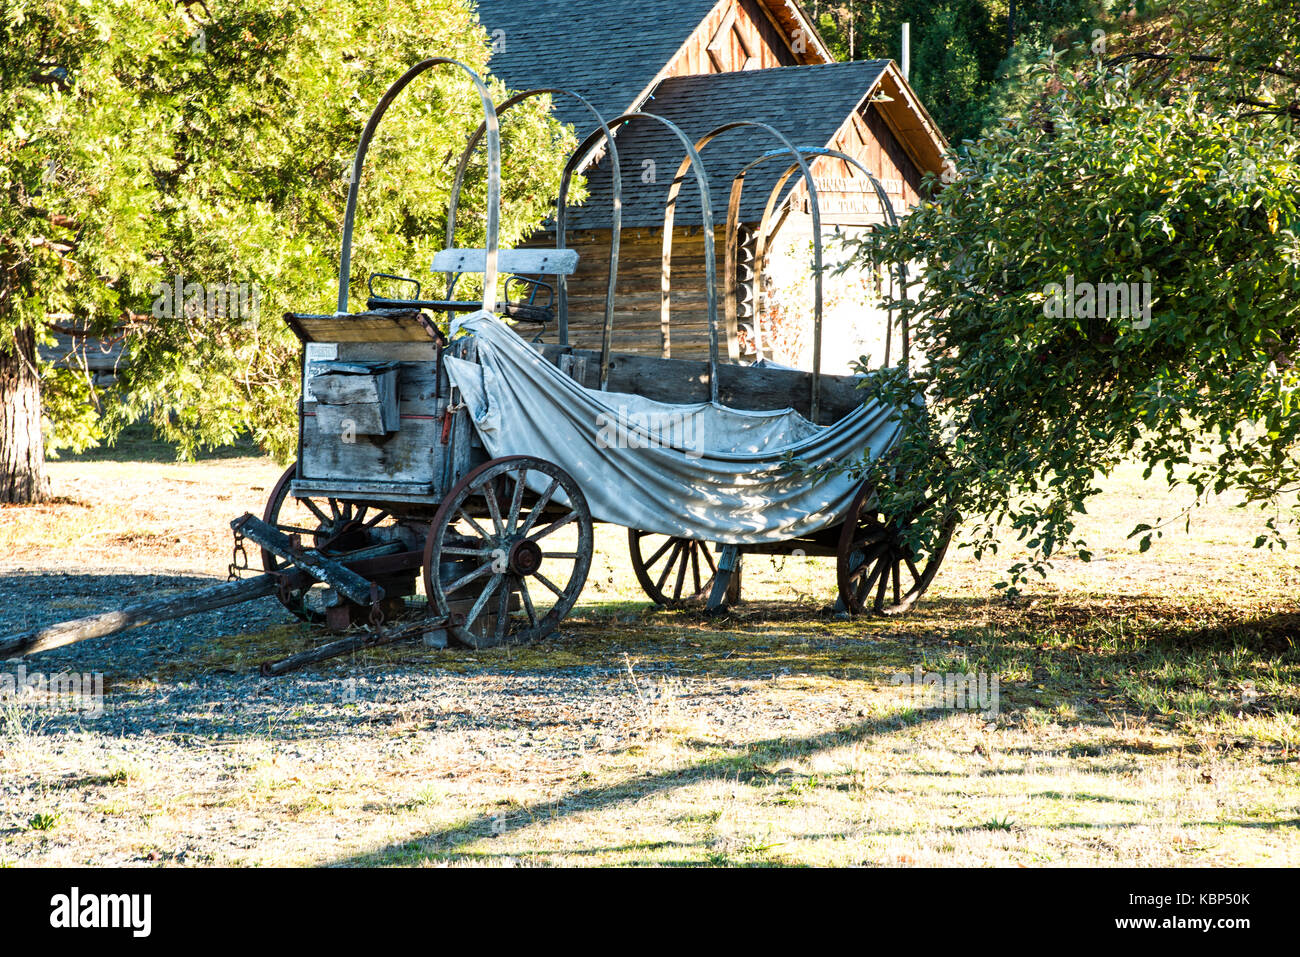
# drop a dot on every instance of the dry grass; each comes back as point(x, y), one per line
point(1148, 716)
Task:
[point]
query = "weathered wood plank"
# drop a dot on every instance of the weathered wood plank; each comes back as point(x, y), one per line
point(412, 454)
point(526, 262)
point(138, 615)
point(364, 327)
point(740, 387)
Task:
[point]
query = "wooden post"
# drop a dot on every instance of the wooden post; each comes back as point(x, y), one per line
point(134, 616)
point(726, 582)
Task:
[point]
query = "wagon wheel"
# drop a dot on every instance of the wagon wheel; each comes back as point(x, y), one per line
point(876, 568)
point(510, 561)
point(328, 524)
point(678, 571)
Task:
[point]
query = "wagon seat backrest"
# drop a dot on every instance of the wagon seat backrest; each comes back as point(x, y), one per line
point(520, 266)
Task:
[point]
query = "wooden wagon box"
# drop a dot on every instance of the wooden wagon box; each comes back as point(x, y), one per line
point(378, 420)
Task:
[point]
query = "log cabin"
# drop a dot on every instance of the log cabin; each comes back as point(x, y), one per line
point(700, 64)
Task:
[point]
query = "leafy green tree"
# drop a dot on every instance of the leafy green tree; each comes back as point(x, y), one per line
point(145, 142)
point(1112, 274)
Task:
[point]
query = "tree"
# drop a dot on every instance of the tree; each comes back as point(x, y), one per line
point(1113, 273)
point(149, 149)
point(961, 49)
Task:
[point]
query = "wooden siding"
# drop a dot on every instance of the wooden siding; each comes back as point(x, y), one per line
point(845, 198)
point(637, 296)
point(96, 357)
point(736, 36)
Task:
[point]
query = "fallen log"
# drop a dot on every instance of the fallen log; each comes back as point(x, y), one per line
point(353, 643)
point(141, 613)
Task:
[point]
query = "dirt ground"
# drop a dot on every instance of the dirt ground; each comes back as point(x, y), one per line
point(1146, 712)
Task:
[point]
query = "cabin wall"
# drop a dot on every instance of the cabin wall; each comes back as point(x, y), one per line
point(854, 324)
point(638, 291)
point(97, 359)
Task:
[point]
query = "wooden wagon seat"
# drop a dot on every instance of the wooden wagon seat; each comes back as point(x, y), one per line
point(519, 265)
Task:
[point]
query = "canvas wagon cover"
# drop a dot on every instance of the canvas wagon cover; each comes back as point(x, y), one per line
point(700, 471)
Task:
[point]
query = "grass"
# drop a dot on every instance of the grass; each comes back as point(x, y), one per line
point(1148, 715)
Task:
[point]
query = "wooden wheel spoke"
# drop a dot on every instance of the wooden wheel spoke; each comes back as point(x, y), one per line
point(662, 548)
point(478, 529)
point(469, 552)
point(898, 598)
point(883, 568)
point(708, 557)
point(695, 567)
point(672, 560)
point(528, 601)
point(549, 584)
point(294, 529)
point(911, 567)
point(516, 503)
point(869, 557)
point(315, 510)
point(489, 492)
point(555, 526)
point(379, 517)
point(865, 587)
point(465, 579)
point(477, 608)
point(503, 610)
point(681, 571)
point(536, 511)
point(562, 555)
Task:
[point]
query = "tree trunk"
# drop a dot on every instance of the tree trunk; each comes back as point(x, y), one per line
point(22, 451)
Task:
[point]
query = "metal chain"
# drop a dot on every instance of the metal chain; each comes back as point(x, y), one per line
point(238, 558)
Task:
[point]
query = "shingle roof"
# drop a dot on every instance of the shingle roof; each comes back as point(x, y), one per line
point(607, 50)
point(806, 103)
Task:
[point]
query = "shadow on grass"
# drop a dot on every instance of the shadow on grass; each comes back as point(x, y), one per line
point(450, 843)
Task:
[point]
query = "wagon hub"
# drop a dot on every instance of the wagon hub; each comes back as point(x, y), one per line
point(525, 557)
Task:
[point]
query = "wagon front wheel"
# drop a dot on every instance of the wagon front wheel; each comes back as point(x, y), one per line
point(508, 551)
point(877, 568)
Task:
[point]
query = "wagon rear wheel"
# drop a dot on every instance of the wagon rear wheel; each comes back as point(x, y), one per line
point(673, 572)
point(877, 569)
point(329, 524)
point(508, 551)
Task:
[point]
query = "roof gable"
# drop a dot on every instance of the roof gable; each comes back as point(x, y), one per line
point(609, 51)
